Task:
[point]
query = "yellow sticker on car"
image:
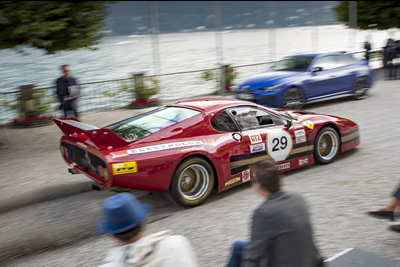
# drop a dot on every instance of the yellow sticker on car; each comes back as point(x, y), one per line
point(309, 124)
point(124, 167)
point(232, 181)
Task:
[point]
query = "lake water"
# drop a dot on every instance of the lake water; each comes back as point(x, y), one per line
point(119, 57)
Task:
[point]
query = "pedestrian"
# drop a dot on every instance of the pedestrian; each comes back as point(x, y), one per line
point(67, 91)
point(367, 47)
point(123, 218)
point(281, 232)
point(390, 54)
point(388, 211)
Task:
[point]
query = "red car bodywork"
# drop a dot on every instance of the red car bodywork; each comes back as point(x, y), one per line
point(152, 160)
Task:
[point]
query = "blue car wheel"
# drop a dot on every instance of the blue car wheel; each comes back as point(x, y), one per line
point(293, 98)
point(361, 89)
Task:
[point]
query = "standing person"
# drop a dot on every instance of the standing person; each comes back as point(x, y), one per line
point(367, 47)
point(123, 218)
point(281, 232)
point(390, 54)
point(67, 91)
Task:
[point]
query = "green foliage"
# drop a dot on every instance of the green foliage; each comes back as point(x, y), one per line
point(230, 76)
point(150, 88)
point(385, 14)
point(52, 25)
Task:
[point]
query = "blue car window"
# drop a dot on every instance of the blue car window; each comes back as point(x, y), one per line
point(326, 63)
point(298, 63)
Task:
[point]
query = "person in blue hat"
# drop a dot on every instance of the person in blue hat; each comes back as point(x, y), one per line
point(123, 218)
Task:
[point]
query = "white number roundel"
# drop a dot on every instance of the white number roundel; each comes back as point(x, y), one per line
point(279, 144)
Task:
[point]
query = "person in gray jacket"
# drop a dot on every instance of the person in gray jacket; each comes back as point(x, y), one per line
point(281, 232)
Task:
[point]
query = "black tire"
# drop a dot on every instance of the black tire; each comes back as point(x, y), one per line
point(192, 182)
point(326, 145)
point(360, 90)
point(293, 98)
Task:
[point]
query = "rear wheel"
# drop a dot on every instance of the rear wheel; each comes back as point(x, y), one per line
point(192, 182)
point(293, 98)
point(326, 145)
point(360, 89)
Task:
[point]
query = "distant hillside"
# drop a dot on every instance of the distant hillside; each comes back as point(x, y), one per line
point(133, 17)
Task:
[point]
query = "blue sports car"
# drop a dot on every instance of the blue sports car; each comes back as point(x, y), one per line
point(300, 79)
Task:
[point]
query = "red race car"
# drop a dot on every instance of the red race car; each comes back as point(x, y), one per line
point(192, 146)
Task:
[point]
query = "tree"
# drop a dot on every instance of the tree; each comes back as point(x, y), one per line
point(382, 14)
point(52, 25)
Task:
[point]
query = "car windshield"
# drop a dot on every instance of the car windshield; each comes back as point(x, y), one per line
point(293, 64)
point(153, 121)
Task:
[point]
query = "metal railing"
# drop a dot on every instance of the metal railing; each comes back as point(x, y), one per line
point(114, 94)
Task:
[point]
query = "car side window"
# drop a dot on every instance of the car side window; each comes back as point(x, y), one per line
point(345, 60)
point(326, 63)
point(251, 118)
point(224, 123)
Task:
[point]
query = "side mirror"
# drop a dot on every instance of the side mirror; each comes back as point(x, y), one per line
point(288, 123)
point(316, 69)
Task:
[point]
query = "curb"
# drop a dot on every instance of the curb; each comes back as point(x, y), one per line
point(45, 194)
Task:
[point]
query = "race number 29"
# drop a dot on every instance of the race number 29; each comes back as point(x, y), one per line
point(279, 144)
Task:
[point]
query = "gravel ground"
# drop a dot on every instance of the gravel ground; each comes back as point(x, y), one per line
point(338, 194)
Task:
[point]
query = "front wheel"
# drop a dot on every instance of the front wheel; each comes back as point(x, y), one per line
point(192, 182)
point(326, 145)
point(360, 89)
point(293, 98)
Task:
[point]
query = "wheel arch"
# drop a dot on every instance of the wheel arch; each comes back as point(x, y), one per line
point(202, 157)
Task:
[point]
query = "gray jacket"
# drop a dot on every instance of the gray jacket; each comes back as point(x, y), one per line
point(281, 234)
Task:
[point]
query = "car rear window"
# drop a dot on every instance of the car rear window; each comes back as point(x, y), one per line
point(135, 128)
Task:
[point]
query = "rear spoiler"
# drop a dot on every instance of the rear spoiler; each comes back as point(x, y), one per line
point(101, 137)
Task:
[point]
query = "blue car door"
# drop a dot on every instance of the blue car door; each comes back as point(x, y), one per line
point(324, 82)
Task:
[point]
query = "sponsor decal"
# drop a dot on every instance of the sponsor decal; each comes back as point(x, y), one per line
point(124, 167)
point(209, 142)
point(300, 136)
point(279, 144)
point(257, 148)
point(118, 154)
point(303, 161)
point(73, 164)
point(255, 138)
point(308, 124)
point(237, 137)
point(232, 181)
point(156, 148)
point(246, 176)
point(283, 166)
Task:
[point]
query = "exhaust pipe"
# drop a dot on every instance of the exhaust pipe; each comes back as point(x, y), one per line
point(73, 171)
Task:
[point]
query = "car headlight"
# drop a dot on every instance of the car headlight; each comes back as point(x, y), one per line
point(271, 88)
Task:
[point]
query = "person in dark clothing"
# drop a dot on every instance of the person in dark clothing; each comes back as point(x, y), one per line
point(67, 91)
point(367, 47)
point(388, 211)
point(281, 232)
point(390, 54)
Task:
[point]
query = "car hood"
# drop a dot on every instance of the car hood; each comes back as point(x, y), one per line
point(270, 78)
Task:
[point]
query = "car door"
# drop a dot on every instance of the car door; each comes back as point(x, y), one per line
point(323, 82)
point(267, 136)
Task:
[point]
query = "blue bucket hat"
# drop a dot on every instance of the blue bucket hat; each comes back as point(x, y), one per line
point(121, 213)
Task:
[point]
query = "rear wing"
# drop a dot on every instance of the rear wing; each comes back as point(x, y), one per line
point(101, 137)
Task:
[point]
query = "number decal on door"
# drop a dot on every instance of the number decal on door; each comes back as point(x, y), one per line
point(279, 144)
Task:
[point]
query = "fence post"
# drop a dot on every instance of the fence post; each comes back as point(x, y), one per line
point(223, 76)
point(138, 79)
point(27, 101)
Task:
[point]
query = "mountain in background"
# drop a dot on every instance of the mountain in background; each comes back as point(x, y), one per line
point(133, 17)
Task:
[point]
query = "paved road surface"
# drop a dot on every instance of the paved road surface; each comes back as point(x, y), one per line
point(35, 219)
